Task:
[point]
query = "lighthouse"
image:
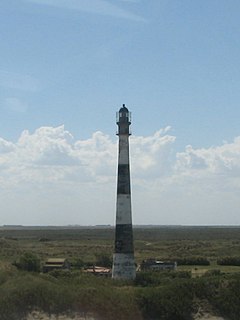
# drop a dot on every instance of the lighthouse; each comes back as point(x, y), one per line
point(123, 257)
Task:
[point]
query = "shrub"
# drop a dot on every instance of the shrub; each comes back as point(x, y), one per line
point(78, 263)
point(213, 272)
point(206, 287)
point(228, 299)
point(28, 262)
point(104, 260)
point(198, 261)
point(153, 278)
point(173, 302)
point(22, 294)
point(229, 261)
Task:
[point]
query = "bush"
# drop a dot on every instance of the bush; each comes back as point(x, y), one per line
point(228, 299)
point(104, 260)
point(153, 278)
point(22, 294)
point(229, 261)
point(213, 272)
point(172, 302)
point(28, 262)
point(222, 293)
point(206, 287)
point(198, 261)
point(83, 294)
point(78, 264)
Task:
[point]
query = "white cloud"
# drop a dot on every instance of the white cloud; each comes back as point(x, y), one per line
point(221, 160)
point(5, 146)
point(46, 146)
point(101, 7)
point(152, 155)
point(49, 177)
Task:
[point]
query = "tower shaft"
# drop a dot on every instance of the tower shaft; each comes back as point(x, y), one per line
point(123, 258)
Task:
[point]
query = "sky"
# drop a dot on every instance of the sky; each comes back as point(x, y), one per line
point(66, 68)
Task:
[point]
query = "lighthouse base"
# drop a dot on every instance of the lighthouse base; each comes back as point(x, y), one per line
point(123, 266)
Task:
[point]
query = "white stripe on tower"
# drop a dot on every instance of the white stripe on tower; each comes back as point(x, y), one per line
point(123, 258)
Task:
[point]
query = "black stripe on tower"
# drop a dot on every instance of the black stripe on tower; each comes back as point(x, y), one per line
point(123, 186)
point(124, 238)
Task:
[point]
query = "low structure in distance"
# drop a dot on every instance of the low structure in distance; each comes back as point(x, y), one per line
point(56, 264)
point(99, 271)
point(156, 265)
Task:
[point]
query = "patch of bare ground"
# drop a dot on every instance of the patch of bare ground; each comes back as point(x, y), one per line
point(38, 315)
point(204, 311)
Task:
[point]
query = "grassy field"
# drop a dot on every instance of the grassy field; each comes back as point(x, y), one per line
point(164, 243)
point(153, 295)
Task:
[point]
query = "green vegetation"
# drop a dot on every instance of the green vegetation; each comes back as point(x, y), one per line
point(104, 260)
point(198, 261)
point(229, 261)
point(29, 262)
point(165, 296)
point(209, 272)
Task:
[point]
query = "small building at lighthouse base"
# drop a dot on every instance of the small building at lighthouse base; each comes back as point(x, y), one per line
point(124, 267)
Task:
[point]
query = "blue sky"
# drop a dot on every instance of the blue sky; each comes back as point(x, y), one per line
point(68, 65)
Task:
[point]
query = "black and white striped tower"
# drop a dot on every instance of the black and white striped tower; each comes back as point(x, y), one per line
point(123, 257)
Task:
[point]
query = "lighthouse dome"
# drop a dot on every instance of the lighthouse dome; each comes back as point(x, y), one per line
point(123, 109)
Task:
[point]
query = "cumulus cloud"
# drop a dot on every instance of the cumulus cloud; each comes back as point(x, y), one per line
point(56, 147)
point(46, 146)
point(5, 146)
point(222, 160)
point(152, 155)
point(75, 180)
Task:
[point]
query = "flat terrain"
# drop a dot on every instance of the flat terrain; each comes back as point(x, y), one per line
point(85, 243)
point(193, 292)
